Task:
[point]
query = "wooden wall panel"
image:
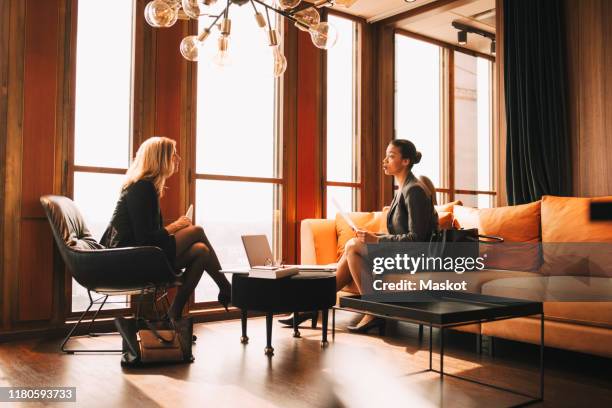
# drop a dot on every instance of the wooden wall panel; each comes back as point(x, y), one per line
point(589, 34)
point(499, 110)
point(4, 65)
point(309, 128)
point(36, 271)
point(169, 103)
point(41, 64)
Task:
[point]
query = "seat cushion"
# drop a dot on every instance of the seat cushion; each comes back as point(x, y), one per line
point(575, 299)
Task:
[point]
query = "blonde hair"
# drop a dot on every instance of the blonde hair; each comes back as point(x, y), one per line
point(153, 162)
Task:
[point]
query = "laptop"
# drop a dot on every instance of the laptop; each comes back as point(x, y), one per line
point(259, 254)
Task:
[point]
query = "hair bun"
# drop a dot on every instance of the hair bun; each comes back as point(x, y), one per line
point(417, 157)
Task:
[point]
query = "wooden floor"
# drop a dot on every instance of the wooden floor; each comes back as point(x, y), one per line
point(354, 371)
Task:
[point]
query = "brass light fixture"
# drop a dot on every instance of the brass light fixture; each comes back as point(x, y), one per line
point(305, 16)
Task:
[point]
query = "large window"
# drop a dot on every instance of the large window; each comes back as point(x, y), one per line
point(342, 179)
point(102, 122)
point(418, 102)
point(457, 158)
point(238, 180)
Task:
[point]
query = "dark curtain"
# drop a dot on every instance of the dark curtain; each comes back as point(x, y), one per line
point(538, 141)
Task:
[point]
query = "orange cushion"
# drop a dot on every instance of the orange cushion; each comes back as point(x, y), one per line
point(445, 219)
point(465, 217)
point(573, 245)
point(369, 221)
point(447, 207)
point(519, 224)
point(566, 219)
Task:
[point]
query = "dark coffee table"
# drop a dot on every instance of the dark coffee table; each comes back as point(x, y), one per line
point(447, 309)
point(304, 292)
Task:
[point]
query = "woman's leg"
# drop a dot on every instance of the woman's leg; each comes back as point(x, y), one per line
point(186, 237)
point(343, 274)
point(194, 259)
point(356, 253)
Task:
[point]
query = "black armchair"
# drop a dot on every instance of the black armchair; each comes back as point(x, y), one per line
point(108, 272)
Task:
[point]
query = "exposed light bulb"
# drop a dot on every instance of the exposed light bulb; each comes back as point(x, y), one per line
point(307, 18)
point(190, 47)
point(193, 8)
point(173, 3)
point(159, 14)
point(323, 35)
point(280, 62)
point(223, 58)
point(288, 4)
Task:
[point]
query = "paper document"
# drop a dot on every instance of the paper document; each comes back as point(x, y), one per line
point(343, 214)
point(189, 213)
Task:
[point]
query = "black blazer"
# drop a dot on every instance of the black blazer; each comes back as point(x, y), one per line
point(412, 216)
point(137, 221)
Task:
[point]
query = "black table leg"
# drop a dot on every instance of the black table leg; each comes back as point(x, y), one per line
point(324, 315)
point(333, 323)
point(542, 357)
point(441, 352)
point(269, 350)
point(296, 331)
point(430, 346)
point(243, 319)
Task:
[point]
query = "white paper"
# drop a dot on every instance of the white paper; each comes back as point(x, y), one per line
point(189, 213)
point(344, 216)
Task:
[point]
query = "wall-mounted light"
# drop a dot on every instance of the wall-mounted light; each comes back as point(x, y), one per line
point(462, 37)
point(464, 29)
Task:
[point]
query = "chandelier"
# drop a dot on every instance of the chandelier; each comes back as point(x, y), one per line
point(165, 13)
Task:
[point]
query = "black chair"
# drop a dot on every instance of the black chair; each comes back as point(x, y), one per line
point(107, 272)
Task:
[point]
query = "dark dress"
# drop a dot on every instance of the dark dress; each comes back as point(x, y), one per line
point(137, 221)
point(412, 216)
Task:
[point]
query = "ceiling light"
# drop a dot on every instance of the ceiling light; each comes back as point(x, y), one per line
point(493, 47)
point(462, 37)
point(164, 13)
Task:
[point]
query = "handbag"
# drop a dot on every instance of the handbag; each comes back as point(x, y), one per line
point(149, 341)
point(462, 242)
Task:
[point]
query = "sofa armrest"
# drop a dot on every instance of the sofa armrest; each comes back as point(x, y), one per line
point(318, 241)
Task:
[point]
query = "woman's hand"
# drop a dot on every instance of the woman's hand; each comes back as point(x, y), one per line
point(179, 224)
point(367, 237)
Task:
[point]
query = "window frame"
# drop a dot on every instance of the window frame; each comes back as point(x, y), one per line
point(280, 157)
point(136, 120)
point(447, 117)
point(358, 162)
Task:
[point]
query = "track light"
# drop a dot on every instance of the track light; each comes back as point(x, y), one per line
point(462, 37)
point(493, 47)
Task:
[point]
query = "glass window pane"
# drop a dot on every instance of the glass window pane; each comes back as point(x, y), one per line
point(103, 89)
point(472, 123)
point(476, 200)
point(345, 197)
point(221, 210)
point(236, 104)
point(417, 101)
point(95, 195)
point(341, 143)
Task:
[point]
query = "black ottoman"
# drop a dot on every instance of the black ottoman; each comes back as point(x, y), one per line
point(304, 292)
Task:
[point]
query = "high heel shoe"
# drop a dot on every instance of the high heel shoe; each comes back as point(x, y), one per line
point(364, 328)
point(225, 298)
point(302, 317)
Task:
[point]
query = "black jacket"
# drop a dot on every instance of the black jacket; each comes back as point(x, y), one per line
point(137, 221)
point(412, 216)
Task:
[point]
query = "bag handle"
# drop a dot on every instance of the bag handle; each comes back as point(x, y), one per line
point(490, 239)
point(158, 334)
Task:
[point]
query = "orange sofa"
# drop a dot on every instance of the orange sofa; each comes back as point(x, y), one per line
point(557, 272)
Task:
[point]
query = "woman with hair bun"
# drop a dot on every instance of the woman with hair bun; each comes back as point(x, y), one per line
point(412, 218)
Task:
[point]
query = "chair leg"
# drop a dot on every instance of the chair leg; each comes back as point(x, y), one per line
point(72, 330)
point(94, 318)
